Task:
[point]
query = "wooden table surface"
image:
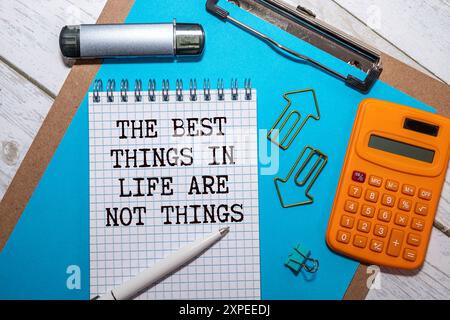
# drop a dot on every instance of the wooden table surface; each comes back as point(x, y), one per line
point(32, 72)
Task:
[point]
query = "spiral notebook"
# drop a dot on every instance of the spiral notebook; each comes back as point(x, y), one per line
point(168, 167)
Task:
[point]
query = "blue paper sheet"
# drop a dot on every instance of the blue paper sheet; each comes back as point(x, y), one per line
point(53, 232)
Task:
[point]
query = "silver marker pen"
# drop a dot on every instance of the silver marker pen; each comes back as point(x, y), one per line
point(132, 40)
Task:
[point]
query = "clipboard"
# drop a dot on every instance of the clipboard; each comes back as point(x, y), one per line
point(81, 76)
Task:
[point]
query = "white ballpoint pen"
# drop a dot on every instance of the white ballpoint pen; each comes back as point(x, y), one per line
point(145, 279)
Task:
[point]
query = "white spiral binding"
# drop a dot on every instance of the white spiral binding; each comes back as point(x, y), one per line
point(165, 90)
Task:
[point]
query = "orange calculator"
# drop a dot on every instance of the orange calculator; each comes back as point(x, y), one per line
point(390, 185)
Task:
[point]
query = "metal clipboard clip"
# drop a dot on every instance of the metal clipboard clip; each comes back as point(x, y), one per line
point(320, 35)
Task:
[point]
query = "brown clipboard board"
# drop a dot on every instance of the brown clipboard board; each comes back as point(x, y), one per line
point(41, 151)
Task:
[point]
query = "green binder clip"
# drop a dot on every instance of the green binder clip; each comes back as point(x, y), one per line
point(296, 127)
point(300, 259)
point(317, 167)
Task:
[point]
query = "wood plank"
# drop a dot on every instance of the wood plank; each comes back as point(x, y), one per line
point(420, 29)
point(332, 13)
point(29, 35)
point(52, 131)
point(22, 109)
point(20, 121)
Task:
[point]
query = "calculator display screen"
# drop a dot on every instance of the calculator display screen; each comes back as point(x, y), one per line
point(401, 148)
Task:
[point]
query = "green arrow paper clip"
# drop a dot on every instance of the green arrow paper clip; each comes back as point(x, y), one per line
point(317, 167)
point(273, 136)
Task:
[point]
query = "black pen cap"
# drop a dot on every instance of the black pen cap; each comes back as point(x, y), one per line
point(69, 41)
point(189, 39)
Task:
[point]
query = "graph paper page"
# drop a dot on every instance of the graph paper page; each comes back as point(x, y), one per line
point(165, 173)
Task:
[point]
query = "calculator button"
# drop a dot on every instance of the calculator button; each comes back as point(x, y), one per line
point(347, 222)
point(401, 219)
point(410, 255)
point(375, 181)
point(413, 239)
point(384, 215)
point(391, 185)
point(417, 224)
point(364, 226)
point(395, 243)
point(425, 194)
point(421, 208)
point(408, 189)
point(343, 237)
point(404, 204)
point(380, 230)
point(359, 241)
point(354, 191)
point(371, 196)
point(351, 206)
point(388, 200)
point(367, 211)
point(358, 176)
point(376, 245)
